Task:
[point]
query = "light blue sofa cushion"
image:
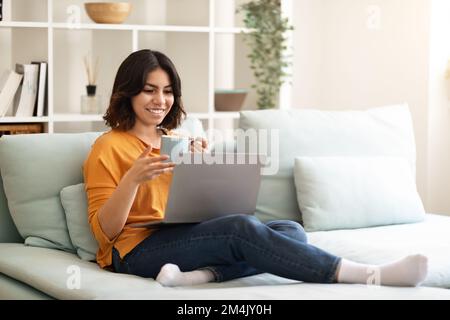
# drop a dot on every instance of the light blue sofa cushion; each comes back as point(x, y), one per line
point(74, 201)
point(356, 192)
point(384, 131)
point(8, 231)
point(34, 169)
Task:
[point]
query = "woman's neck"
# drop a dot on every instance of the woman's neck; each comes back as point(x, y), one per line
point(149, 135)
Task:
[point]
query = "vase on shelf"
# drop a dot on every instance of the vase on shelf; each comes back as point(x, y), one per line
point(91, 102)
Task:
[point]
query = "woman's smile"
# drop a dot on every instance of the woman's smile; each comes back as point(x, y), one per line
point(156, 111)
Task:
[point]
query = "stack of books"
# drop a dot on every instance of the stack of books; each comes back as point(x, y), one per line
point(23, 91)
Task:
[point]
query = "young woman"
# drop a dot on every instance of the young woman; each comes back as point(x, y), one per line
point(127, 183)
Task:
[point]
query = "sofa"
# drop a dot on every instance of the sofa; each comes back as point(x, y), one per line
point(46, 250)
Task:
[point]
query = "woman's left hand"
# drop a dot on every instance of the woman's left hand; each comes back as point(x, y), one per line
point(199, 144)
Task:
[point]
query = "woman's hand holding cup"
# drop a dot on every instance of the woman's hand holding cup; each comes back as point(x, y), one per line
point(198, 144)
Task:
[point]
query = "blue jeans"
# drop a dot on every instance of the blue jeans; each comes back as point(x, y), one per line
point(232, 247)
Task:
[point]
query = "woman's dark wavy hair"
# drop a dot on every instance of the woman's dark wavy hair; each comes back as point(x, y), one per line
point(130, 81)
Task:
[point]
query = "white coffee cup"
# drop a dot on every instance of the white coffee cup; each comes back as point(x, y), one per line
point(174, 146)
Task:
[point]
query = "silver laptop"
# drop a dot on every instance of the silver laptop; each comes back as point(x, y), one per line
point(201, 191)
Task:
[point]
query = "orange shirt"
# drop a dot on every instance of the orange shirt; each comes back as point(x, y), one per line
point(112, 154)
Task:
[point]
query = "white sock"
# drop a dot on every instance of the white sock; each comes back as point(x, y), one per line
point(171, 276)
point(409, 271)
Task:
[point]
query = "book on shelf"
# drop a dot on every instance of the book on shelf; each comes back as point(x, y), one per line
point(26, 99)
point(9, 83)
point(41, 100)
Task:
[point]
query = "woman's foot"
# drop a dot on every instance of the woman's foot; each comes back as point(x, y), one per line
point(409, 271)
point(171, 276)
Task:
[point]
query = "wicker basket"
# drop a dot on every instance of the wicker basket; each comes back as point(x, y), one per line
point(21, 128)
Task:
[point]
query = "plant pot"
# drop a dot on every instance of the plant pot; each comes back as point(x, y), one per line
point(229, 100)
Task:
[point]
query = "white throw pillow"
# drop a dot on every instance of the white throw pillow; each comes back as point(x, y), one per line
point(74, 202)
point(356, 192)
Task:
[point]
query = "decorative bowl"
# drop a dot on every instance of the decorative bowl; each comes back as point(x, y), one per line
point(108, 12)
point(229, 100)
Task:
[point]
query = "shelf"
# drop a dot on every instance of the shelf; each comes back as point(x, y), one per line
point(198, 115)
point(232, 30)
point(215, 115)
point(165, 28)
point(20, 24)
point(23, 119)
point(225, 115)
point(125, 27)
point(74, 117)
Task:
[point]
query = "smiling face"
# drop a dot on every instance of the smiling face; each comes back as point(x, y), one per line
point(155, 100)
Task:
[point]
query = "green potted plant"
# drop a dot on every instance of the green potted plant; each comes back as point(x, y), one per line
point(267, 43)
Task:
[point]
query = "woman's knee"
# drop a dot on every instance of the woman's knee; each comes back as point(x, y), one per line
point(290, 228)
point(239, 223)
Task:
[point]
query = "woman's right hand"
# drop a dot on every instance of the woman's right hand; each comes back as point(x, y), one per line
point(148, 168)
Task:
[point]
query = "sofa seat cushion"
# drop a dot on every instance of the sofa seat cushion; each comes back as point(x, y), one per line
point(54, 272)
point(387, 243)
point(12, 289)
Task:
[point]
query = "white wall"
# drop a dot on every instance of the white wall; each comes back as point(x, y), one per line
point(439, 110)
point(347, 56)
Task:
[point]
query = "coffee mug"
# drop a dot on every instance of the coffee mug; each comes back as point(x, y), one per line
point(174, 146)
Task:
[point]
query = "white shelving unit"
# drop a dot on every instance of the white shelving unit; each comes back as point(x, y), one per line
point(190, 39)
